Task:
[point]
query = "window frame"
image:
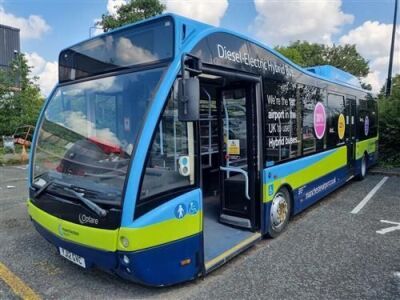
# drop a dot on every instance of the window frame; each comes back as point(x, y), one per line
point(341, 142)
point(153, 201)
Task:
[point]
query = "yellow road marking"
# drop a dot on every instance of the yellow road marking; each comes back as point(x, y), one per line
point(232, 250)
point(16, 284)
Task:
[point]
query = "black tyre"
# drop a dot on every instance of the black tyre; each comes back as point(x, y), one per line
point(280, 213)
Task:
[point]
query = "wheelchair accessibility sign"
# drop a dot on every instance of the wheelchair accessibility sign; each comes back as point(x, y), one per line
point(193, 207)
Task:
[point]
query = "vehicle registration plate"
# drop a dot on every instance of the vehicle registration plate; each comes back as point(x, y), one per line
point(76, 259)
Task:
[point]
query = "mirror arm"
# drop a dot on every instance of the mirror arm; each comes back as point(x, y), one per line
point(192, 71)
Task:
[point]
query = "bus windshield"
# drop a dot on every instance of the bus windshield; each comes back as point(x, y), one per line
point(89, 130)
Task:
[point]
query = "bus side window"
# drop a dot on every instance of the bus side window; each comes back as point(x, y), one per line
point(336, 107)
point(170, 161)
point(362, 115)
point(310, 96)
point(373, 117)
point(282, 121)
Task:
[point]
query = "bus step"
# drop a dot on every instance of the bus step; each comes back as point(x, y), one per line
point(231, 253)
point(235, 221)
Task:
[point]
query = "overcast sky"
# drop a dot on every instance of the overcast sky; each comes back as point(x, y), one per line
point(48, 26)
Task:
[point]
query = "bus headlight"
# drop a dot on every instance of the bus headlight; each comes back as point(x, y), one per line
point(124, 242)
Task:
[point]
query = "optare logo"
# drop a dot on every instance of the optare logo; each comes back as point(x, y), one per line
point(84, 219)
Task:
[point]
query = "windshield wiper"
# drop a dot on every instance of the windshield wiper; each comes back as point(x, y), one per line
point(69, 188)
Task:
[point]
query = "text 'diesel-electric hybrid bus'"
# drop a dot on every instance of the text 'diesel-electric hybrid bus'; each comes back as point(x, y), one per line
point(170, 146)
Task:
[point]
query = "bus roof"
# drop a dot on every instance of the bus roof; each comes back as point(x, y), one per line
point(196, 29)
point(335, 74)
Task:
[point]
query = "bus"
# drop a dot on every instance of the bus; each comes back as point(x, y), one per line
point(170, 146)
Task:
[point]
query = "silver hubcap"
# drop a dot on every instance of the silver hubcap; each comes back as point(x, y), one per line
point(363, 167)
point(279, 211)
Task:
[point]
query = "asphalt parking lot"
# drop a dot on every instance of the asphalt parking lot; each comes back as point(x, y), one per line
point(326, 253)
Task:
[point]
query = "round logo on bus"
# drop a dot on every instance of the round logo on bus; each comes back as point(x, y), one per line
point(180, 211)
point(341, 126)
point(319, 120)
point(366, 125)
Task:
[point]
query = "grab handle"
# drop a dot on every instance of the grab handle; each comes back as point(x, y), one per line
point(239, 170)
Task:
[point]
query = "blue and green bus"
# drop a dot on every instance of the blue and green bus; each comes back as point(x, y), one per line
point(169, 146)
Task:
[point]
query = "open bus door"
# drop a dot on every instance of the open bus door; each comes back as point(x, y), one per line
point(238, 155)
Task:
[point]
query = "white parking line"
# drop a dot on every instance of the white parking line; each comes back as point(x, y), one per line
point(389, 229)
point(369, 196)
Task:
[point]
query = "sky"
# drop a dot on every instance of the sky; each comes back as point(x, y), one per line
point(48, 26)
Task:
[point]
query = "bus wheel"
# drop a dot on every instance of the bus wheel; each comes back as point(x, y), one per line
point(280, 213)
point(363, 172)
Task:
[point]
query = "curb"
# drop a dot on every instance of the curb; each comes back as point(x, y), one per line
point(384, 172)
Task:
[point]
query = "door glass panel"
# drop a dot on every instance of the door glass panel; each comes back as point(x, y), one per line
point(234, 122)
point(235, 196)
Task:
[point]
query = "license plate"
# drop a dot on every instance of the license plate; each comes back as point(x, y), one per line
point(76, 259)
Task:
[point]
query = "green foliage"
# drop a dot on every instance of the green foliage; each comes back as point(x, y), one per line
point(389, 126)
point(20, 98)
point(366, 86)
point(344, 57)
point(304, 53)
point(133, 11)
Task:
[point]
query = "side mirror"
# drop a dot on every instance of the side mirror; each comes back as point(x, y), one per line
point(189, 99)
point(189, 89)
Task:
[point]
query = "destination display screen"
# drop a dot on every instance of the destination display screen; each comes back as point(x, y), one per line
point(143, 44)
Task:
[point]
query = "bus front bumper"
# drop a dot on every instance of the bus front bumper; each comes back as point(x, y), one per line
point(104, 260)
point(156, 266)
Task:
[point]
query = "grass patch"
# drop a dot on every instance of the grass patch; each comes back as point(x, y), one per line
point(389, 162)
point(7, 157)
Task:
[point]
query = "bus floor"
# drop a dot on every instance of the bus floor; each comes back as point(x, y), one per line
point(219, 238)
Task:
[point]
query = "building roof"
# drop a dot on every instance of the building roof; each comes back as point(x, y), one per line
point(9, 27)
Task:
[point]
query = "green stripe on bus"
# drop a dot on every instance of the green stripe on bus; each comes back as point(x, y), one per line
point(107, 240)
point(160, 233)
point(368, 146)
point(102, 239)
point(321, 168)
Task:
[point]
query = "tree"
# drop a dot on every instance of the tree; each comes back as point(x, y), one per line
point(343, 57)
point(133, 11)
point(366, 86)
point(389, 125)
point(20, 98)
point(304, 53)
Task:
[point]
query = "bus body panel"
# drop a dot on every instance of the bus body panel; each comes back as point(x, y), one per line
point(309, 179)
point(164, 247)
point(176, 219)
point(102, 259)
point(97, 238)
point(299, 172)
point(368, 146)
point(157, 266)
point(164, 265)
